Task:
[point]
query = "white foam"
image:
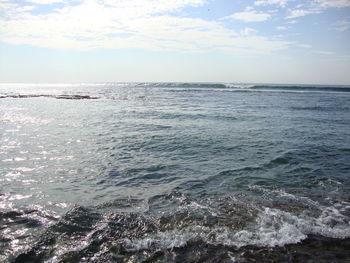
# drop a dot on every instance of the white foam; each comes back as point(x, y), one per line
point(193, 206)
point(272, 227)
point(239, 86)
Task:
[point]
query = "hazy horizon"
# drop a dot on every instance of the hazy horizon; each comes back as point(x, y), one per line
point(173, 82)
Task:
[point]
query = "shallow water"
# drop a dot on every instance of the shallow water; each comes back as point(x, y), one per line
point(170, 172)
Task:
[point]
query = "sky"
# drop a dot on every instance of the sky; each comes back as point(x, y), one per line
point(235, 41)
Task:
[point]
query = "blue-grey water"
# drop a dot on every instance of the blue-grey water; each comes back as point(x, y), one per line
point(174, 172)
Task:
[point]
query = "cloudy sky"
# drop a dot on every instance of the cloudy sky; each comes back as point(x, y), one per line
point(255, 41)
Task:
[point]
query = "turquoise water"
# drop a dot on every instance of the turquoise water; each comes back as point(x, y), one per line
point(169, 172)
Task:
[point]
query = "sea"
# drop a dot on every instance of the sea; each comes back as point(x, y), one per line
point(174, 172)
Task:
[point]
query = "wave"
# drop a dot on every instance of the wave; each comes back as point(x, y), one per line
point(230, 223)
point(273, 227)
point(244, 87)
point(107, 90)
point(303, 88)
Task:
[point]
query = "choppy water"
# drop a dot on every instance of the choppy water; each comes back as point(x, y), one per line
point(174, 172)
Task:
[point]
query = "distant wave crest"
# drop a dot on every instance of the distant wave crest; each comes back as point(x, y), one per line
point(247, 86)
point(104, 90)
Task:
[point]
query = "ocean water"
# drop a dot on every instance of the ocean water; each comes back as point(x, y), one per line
point(174, 172)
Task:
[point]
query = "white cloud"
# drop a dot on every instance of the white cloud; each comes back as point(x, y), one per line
point(333, 3)
point(248, 31)
point(301, 12)
point(250, 16)
point(149, 6)
point(342, 25)
point(281, 3)
point(142, 24)
point(323, 52)
point(45, 2)
point(281, 28)
point(304, 45)
point(9, 10)
point(316, 7)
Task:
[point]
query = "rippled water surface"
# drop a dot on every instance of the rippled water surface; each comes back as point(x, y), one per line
point(174, 172)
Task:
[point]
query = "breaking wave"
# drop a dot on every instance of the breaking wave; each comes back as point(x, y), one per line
point(94, 234)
